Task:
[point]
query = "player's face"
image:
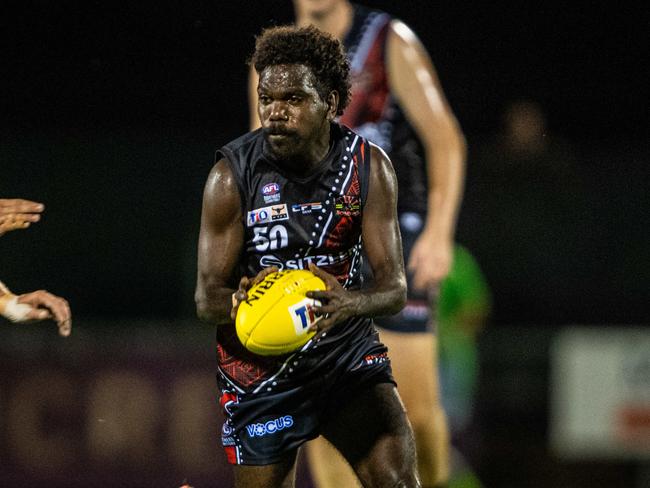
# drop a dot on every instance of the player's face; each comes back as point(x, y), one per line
point(294, 117)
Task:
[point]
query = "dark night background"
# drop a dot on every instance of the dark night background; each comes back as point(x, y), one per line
point(110, 113)
point(112, 110)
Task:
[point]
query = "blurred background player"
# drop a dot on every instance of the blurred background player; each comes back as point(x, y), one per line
point(397, 103)
point(38, 305)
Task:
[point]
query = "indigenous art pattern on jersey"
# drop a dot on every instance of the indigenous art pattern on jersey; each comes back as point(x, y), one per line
point(315, 220)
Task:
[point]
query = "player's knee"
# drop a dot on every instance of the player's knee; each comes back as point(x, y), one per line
point(410, 481)
point(400, 477)
point(407, 478)
point(396, 473)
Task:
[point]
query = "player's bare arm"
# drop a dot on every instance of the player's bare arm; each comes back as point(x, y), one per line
point(414, 82)
point(16, 213)
point(383, 246)
point(220, 244)
point(254, 118)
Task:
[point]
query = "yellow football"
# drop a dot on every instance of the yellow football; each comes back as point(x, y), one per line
point(277, 314)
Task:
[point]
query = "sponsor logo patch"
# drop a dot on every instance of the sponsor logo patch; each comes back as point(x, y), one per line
point(228, 441)
point(348, 205)
point(271, 192)
point(271, 427)
point(227, 438)
point(226, 429)
point(303, 315)
point(279, 212)
point(306, 208)
point(268, 214)
point(375, 358)
point(320, 260)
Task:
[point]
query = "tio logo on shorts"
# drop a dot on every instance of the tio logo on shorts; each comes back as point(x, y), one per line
point(270, 427)
point(303, 314)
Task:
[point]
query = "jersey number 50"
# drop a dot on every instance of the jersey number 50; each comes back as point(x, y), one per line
point(275, 238)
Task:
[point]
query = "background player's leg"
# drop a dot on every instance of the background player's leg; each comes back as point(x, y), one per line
point(374, 435)
point(328, 467)
point(417, 352)
point(278, 475)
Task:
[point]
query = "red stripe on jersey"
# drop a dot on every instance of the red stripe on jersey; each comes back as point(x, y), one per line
point(228, 397)
point(231, 454)
point(370, 91)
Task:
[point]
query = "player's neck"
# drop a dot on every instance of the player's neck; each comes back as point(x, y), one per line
point(337, 21)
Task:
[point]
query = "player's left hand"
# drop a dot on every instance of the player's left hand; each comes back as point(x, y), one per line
point(337, 303)
point(430, 261)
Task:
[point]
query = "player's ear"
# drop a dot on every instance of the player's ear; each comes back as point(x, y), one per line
point(332, 104)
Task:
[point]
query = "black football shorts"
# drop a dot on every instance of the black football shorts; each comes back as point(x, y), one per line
point(273, 418)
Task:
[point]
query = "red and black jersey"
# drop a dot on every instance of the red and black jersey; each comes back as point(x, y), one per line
point(375, 114)
point(290, 222)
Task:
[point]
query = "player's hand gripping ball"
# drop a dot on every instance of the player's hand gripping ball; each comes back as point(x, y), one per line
point(276, 316)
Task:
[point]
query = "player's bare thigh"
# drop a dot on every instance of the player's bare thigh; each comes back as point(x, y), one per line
point(373, 434)
point(414, 352)
point(278, 475)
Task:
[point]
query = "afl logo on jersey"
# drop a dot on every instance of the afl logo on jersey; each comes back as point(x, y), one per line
point(271, 192)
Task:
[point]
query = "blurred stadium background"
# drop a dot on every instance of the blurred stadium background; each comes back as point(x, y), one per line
point(111, 112)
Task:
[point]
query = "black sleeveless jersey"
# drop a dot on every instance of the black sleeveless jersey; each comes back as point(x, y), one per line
point(375, 114)
point(290, 222)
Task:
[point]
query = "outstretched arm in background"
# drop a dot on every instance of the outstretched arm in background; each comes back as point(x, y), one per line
point(414, 83)
point(253, 80)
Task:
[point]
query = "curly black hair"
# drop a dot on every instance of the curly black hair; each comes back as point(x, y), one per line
point(319, 51)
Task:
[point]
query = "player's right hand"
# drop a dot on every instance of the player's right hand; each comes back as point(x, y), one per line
point(245, 284)
point(337, 304)
point(16, 213)
point(45, 305)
